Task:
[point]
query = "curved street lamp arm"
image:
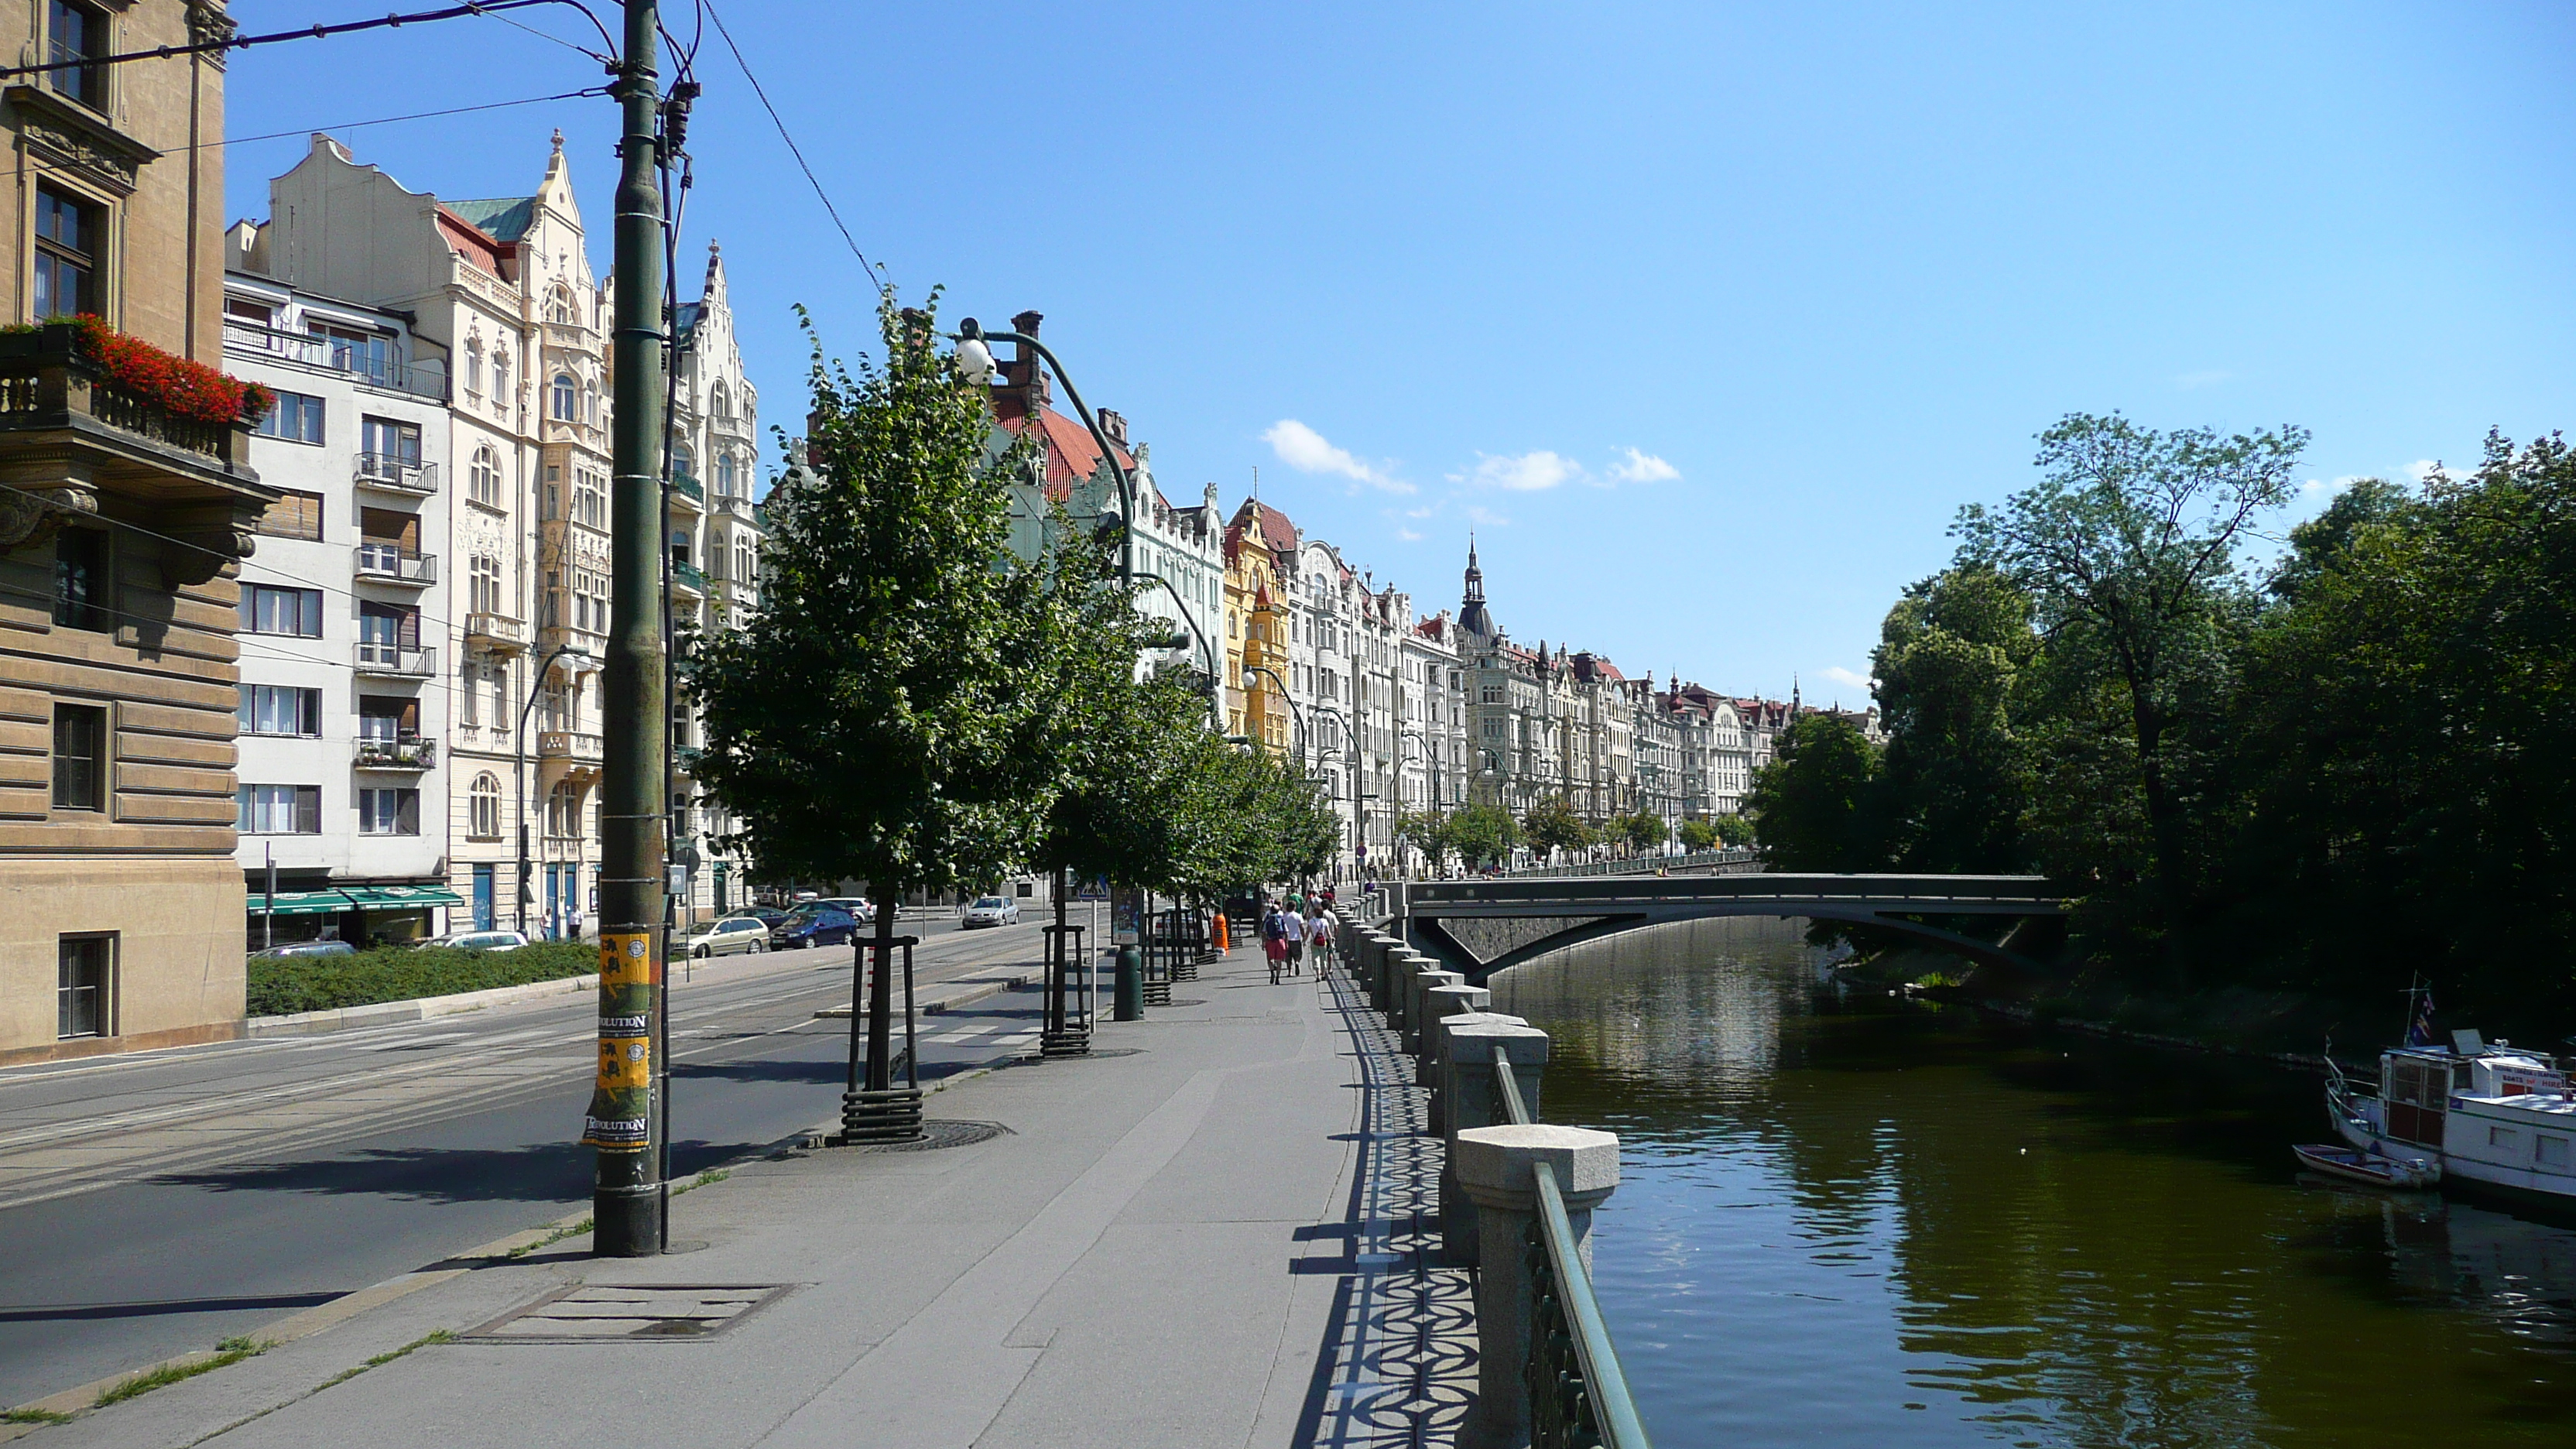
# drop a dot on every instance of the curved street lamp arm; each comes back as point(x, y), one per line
point(1191, 620)
point(521, 895)
point(1289, 695)
point(970, 332)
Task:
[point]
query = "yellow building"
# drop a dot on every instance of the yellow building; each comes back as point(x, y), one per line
point(126, 505)
point(1255, 704)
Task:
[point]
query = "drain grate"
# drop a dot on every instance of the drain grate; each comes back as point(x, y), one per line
point(587, 1312)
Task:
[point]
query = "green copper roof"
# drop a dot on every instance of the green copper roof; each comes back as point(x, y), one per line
point(504, 218)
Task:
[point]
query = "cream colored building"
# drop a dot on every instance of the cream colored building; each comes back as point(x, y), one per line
point(122, 523)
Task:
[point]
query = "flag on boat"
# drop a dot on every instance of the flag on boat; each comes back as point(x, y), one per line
point(2421, 1033)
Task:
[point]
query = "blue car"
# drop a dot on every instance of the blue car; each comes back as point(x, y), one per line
point(818, 928)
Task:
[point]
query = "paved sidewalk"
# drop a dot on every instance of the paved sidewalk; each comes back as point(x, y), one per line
point(1204, 1234)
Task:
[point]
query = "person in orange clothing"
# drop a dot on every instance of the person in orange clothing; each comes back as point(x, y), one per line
point(1224, 938)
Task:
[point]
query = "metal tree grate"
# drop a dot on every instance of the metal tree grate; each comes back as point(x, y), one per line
point(587, 1312)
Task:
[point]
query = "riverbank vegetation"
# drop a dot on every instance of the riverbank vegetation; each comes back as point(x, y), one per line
point(2334, 776)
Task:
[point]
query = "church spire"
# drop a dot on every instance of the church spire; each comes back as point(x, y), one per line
point(1472, 617)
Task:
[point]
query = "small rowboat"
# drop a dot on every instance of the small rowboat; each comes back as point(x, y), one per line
point(2370, 1169)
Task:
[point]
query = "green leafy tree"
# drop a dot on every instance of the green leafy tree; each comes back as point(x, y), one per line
point(1644, 830)
point(1812, 804)
point(1552, 825)
point(1426, 831)
point(1698, 835)
point(1483, 834)
point(889, 714)
point(2127, 550)
point(1955, 779)
point(1733, 830)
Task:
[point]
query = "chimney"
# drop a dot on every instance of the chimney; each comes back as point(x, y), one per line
point(1114, 427)
point(1023, 370)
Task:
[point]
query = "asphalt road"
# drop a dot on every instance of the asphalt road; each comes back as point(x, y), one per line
point(157, 1203)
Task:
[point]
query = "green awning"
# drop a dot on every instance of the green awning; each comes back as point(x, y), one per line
point(300, 903)
point(401, 898)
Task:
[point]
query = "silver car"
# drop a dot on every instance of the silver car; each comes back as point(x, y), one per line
point(990, 911)
point(744, 934)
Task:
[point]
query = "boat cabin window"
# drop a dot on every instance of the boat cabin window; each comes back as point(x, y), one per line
point(2463, 1076)
point(2553, 1151)
point(2504, 1137)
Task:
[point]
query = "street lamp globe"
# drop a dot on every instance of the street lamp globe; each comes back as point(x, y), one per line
point(975, 360)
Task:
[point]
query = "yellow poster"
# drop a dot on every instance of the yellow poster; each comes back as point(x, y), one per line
point(625, 960)
point(625, 1062)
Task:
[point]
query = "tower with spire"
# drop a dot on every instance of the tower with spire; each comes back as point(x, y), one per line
point(1472, 616)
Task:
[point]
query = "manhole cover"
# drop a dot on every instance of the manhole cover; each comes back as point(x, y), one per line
point(936, 1135)
point(587, 1312)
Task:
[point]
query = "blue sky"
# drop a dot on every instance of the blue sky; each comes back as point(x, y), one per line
point(1706, 318)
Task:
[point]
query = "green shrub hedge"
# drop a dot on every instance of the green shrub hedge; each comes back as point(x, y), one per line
point(395, 973)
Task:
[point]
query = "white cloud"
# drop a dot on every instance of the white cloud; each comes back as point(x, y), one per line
point(1422, 512)
point(2422, 468)
point(1642, 467)
point(1525, 473)
point(2193, 381)
point(1307, 451)
point(1840, 675)
point(1408, 535)
point(1477, 513)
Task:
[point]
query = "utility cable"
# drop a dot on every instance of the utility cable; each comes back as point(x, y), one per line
point(492, 8)
point(875, 273)
point(583, 93)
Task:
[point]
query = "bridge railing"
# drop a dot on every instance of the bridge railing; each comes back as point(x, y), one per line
point(1639, 865)
point(1930, 893)
point(1578, 1393)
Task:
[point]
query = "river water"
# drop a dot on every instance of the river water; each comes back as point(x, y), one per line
point(1850, 1220)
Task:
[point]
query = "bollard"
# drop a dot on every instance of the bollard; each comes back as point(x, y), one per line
point(1382, 985)
point(1369, 946)
point(1469, 1098)
point(1401, 962)
point(1131, 985)
point(1495, 1165)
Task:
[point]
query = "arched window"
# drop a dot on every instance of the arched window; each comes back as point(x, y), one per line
point(719, 403)
point(684, 462)
point(563, 810)
point(559, 304)
point(483, 814)
point(567, 397)
point(486, 476)
point(724, 475)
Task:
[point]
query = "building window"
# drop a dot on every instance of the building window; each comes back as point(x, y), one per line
point(278, 809)
point(80, 757)
point(468, 677)
point(486, 477)
point(485, 576)
point(483, 807)
point(720, 403)
point(500, 696)
point(368, 353)
point(474, 368)
point(294, 515)
point(563, 811)
point(559, 305)
point(278, 709)
point(267, 609)
point(297, 418)
point(566, 397)
point(84, 1000)
point(724, 475)
point(77, 33)
point(68, 234)
point(81, 579)
point(387, 447)
point(500, 379)
point(389, 812)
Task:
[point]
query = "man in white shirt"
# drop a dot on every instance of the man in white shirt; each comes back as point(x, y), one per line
point(1292, 929)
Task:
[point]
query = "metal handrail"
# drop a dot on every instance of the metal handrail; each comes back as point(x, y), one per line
point(1586, 1402)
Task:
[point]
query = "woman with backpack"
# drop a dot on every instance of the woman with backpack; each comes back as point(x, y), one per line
point(1274, 941)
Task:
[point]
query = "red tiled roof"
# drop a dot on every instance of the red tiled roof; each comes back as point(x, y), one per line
point(1276, 530)
point(471, 242)
point(1070, 453)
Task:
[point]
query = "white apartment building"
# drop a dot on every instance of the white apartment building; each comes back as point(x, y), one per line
point(345, 610)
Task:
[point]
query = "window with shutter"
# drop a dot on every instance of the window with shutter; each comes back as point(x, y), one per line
point(295, 515)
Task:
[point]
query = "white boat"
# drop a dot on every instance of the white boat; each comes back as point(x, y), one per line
point(2481, 1115)
point(2366, 1166)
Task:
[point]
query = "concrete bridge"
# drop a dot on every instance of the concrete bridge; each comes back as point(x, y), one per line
point(1563, 912)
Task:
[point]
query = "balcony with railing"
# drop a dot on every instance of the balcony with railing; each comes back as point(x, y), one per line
point(365, 364)
point(686, 490)
point(393, 660)
point(409, 753)
point(495, 633)
point(396, 473)
point(571, 335)
point(572, 745)
point(387, 563)
point(686, 578)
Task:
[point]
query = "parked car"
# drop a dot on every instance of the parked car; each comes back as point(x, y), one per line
point(990, 911)
point(859, 906)
point(827, 927)
point(768, 916)
point(304, 948)
point(732, 934)
point(480, 940)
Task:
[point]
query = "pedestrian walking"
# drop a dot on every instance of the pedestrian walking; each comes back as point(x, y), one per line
point(576, 923)
point(1274, 942)
point(1292, 929)
point(1323, 934)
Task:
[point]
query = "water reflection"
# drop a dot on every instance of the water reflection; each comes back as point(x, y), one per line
point(1849, 1220)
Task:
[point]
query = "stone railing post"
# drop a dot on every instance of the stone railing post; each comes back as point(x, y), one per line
point(1402, 962)
point(1438, 1005)
point(1417, 1001)
point(1495, 1165)
point(1381, 961)
point(1468, 1098)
